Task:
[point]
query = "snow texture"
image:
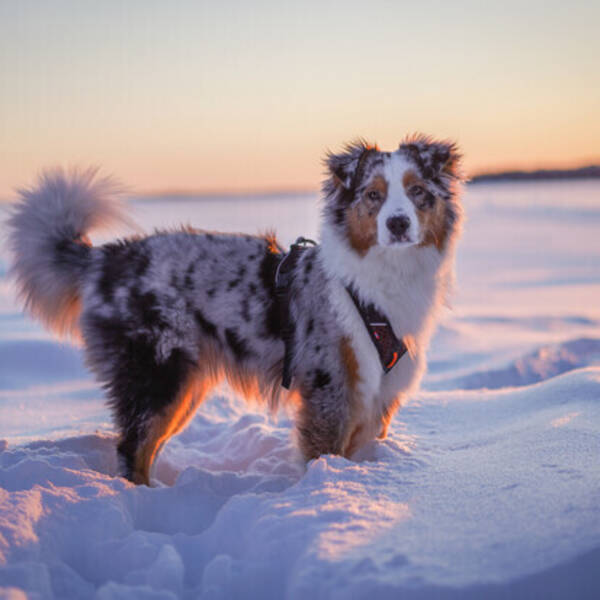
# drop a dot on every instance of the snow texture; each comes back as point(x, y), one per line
point(488, 485)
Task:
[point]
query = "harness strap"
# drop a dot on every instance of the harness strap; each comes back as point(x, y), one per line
point(283, 279)
point(389, 347)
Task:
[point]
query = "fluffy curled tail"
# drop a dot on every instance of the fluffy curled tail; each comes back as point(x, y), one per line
point(48, 237)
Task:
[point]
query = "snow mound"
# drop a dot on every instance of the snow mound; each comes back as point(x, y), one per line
point(242, 519)
point(543, 363)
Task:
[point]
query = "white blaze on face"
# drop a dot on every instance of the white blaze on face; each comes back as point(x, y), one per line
point(397, 204)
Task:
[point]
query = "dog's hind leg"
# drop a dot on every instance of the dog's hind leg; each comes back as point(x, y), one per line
point(163, 426)
point(150, 406)
point(160, 427)
point(152, 396)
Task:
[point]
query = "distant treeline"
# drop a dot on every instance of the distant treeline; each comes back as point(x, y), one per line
point(581, 173)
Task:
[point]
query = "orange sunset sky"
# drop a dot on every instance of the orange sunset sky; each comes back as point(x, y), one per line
point(247, 96)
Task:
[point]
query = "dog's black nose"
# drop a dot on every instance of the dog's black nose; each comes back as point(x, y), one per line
point(398, 225)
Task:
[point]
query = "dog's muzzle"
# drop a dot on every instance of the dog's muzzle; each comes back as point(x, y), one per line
point(398, 226)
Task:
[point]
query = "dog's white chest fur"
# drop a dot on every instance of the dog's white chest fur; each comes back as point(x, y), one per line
point(407, 286)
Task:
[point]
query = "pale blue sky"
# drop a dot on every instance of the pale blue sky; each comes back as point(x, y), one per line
point(248, 95)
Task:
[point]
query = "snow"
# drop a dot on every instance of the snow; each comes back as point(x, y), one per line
point(488, 485)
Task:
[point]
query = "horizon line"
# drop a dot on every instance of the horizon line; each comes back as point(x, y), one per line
point(300, 191)
point(234, 192)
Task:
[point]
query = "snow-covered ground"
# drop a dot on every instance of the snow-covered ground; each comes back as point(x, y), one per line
point(487, 487)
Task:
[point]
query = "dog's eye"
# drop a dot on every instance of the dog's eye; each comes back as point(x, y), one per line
point(374, 195)
point(416, 191)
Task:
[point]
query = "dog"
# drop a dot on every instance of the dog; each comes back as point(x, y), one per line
point(164, 318)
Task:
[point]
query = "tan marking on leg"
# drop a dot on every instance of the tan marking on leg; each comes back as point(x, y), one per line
point(171, 420)
point(353, 442)
point(197, 396)
point(355, 427)
point(386, 417)
point(350, 363)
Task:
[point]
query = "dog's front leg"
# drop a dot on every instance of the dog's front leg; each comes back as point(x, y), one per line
point(323, 419)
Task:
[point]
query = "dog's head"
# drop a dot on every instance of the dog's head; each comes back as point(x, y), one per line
point(394, 199)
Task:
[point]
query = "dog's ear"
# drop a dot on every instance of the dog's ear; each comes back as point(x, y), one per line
point(446, 159)
point(342, 167)
point(433, 158)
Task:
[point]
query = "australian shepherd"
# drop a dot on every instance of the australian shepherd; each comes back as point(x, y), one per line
point(164, 318)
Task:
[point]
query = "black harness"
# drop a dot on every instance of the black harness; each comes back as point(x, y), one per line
point(283, 278)
point(389, 347)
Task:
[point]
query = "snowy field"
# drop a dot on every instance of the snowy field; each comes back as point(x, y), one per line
point(488, 486)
